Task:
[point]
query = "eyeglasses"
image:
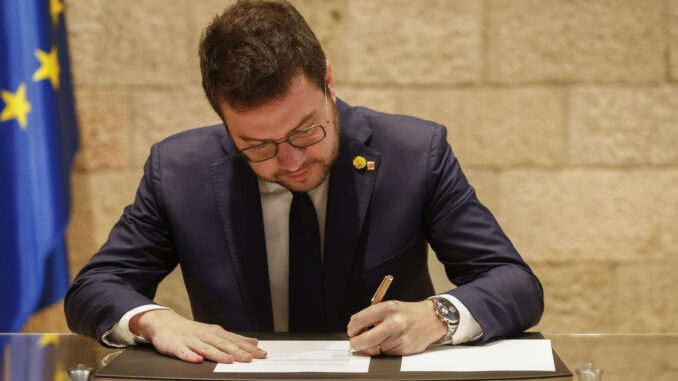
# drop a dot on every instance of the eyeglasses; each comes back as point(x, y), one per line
point(298, 139)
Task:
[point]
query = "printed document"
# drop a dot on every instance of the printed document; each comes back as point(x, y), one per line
point(290, 356)
point(503, 355)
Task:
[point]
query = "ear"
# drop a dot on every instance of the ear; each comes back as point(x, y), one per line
point(329, 80)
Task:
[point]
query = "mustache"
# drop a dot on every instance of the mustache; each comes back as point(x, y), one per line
point(303, 167)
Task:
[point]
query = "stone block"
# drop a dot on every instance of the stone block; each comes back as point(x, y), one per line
point(451, 108)
point(623, 125)
point(159, 113)
point(410, 42)
point(604, 297)
point(80, 241)
point(200, 15)
point(328, 20)
point(130, 42)
point(382, 100)
point(591, 214)
point(98, 202)
point(568, 41)
point(646, 296)
point(496, 127)
point(578, 296)
point(48, 319)
point(391, 49)
point(488, 127)
point(104, 118)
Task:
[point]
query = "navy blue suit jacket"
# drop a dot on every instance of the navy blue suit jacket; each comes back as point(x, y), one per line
point(198, 206)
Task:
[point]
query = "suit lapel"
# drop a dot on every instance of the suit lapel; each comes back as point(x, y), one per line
point(237, 195)
point(349, 196)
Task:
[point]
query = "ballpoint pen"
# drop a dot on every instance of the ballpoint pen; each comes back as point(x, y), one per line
point(379, 294)
point(377, 298)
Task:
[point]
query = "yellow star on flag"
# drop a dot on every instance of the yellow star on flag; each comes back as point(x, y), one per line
point(47, 339)
point(16, 105)
point(49, 67)
point(56, 7)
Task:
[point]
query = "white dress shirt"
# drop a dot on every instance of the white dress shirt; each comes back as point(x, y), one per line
point(275, 205)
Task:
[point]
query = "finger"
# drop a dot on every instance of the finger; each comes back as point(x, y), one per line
point(224, 341)
point(372, 351)
point(367, 317)
point(396, 350)
point(359, 321)
point(246, 344)
point(370, 339)
point(233, 349)
point(253, 350)
point(251, 340)
point(176, 348)
point(209, 352)
point(391, 346)
point(186, 354)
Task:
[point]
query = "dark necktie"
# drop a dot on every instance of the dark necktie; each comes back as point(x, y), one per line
point(307, 312)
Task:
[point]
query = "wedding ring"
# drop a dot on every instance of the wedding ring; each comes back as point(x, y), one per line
point(379, 349)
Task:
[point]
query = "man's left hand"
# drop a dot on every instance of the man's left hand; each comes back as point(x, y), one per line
point(400, 328)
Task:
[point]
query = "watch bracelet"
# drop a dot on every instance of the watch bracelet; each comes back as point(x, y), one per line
point(447, 338)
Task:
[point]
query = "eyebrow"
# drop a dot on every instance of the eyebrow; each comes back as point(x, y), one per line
point(301, 123)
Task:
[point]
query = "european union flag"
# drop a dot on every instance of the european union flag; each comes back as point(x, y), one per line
point(38, 139)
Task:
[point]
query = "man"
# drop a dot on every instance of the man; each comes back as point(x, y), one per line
point(288, 216)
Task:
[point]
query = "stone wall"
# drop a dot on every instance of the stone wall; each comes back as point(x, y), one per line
point(563, 113)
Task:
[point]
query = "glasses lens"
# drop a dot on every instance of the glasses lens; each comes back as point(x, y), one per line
point(307, 137)
point(260, 153)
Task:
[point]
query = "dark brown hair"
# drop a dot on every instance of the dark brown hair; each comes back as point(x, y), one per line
point(250, 53)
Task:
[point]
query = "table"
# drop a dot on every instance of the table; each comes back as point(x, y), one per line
point(624, 357)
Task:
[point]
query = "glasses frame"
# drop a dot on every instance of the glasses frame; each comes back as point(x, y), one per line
point(243, 152)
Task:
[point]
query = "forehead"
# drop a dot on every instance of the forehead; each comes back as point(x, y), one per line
point(277, 117)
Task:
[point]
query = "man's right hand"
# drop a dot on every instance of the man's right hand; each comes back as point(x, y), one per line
point(174, 335)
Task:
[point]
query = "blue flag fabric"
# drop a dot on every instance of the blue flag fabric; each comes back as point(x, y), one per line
point(38, 139)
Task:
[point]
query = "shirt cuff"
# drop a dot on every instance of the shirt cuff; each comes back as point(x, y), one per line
point(120, 336)
point(468, 329)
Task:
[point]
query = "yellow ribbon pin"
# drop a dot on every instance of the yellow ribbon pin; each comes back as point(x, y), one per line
point(359, 162)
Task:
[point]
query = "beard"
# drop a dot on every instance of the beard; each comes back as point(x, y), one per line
point(325, 165)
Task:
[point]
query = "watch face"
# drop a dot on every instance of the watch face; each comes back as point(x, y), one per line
point(447, 310)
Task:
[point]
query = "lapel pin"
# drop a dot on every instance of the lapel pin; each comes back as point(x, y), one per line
point(370, 166)
point(359, 162)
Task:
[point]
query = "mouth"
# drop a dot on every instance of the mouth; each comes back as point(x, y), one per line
point(299, 175)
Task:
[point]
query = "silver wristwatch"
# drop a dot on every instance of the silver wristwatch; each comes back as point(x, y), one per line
point(448, 314)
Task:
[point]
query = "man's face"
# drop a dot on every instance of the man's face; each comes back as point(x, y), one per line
point(297, 169)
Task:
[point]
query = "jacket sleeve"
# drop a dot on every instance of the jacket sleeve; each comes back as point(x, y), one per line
point(493, 281)
point(126, 271)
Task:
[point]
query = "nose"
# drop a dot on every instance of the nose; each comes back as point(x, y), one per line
point(290, 158)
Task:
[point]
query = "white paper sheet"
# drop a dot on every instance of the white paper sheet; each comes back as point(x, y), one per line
point(302, 356)
point(504, 355)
